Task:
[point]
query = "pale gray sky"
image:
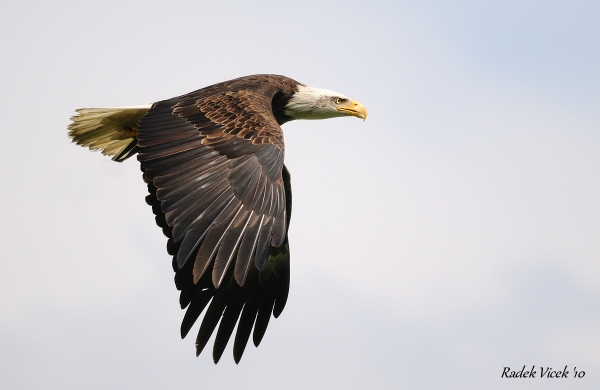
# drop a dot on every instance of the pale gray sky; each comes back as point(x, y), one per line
point(455, 232)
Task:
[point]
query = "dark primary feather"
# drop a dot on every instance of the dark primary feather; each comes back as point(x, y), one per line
point(213, 160)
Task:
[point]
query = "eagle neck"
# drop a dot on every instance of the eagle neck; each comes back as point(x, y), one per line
point(278, 103)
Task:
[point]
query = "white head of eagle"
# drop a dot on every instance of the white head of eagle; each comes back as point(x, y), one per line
point(316, 103)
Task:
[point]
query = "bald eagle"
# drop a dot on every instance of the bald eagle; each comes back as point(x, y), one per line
point(213, 162)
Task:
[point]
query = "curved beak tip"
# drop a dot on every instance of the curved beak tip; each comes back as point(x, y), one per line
point(355, 109)
point(361, 112)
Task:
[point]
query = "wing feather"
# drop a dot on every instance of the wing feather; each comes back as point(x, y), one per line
point(258, 201)
point(262, 246)
point(210, 244)
point(198, 303)
point(185, 214)
point(201, 179)
point(245, 325)
point(247, 246)
point(262, 318)
point(230, 317)
point(214, 163)
point(172, 147)
point(199, 228)
point(189, 171)
point(230, 242)
point(211, 318)
point(171, 164)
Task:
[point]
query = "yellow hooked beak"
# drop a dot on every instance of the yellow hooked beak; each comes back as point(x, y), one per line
point(354, 108)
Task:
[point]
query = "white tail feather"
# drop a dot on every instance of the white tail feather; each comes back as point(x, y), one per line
point(112, 130)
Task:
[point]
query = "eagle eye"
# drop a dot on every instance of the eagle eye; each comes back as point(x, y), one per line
point(338, 100)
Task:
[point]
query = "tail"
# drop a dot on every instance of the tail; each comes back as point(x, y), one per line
point(112, 130)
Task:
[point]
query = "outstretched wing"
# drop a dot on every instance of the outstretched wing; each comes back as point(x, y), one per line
point(214, 166)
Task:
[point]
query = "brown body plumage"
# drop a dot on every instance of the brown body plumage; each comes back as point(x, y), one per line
point(213, 161)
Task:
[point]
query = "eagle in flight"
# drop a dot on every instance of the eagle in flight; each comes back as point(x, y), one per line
point(213, 161)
